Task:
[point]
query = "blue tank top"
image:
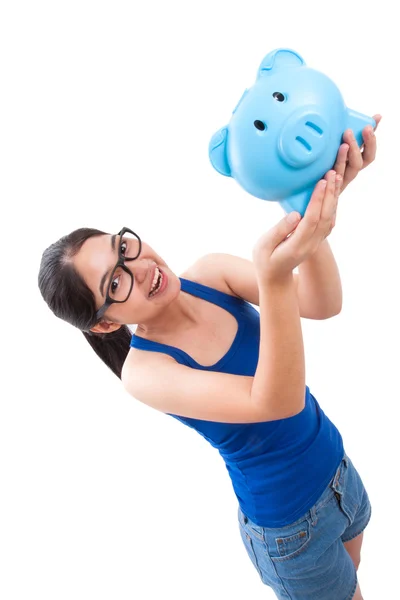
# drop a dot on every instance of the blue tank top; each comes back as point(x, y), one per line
point(278, 468)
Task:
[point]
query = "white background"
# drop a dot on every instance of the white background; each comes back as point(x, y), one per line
point(106, 113)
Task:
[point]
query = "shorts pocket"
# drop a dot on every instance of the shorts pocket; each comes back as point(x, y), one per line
point(290, 542)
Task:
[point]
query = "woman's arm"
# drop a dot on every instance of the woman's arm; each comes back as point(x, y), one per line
point(318, 284)
point(276, 391)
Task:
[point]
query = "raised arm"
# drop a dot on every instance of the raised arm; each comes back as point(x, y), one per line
point(277, 389)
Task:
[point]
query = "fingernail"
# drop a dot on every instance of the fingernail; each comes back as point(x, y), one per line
point(338, 178)
point(293, 217)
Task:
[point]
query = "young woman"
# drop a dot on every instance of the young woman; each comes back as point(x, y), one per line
point(202, 354)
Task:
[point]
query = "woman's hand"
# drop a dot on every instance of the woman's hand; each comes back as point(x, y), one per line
point(351, 159)
point(288, 244)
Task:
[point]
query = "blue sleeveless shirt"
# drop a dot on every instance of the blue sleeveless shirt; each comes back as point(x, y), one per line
point(278, 468)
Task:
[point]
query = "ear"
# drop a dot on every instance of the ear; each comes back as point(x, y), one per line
point(356, 122)
point(277, 59)
point(105, 327)
point(217, 152)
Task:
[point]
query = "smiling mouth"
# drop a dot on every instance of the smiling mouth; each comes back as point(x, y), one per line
point(156, 283)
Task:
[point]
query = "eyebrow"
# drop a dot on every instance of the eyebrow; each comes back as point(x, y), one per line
point(106, 274)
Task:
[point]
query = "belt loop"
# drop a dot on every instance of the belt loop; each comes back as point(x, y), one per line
point(313, 516)
point(346, 460)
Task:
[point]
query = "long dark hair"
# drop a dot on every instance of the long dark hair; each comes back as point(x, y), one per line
point(70, 299)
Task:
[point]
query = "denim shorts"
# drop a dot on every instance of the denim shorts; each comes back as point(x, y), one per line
point(307, 560)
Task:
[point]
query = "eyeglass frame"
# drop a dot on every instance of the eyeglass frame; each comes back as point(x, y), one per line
point(120, 263)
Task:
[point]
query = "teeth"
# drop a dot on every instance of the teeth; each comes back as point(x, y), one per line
point(156, 275)
point(154, 279)
point(154, 287)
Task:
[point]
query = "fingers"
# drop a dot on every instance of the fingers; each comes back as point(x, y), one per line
point(341, 160)
point(377, 118)
point(329, 207)
point(313, 212)
point(321, 207)
point(355, 159)
point(369, 138)
point(369, 152)
point(359, 158)
point(338, 188)
point(318, 220)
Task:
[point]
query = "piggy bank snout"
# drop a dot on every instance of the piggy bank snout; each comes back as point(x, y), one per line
point(303, 138)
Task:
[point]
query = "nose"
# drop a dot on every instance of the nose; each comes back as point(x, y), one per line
point(140, 268)
point(303, 138)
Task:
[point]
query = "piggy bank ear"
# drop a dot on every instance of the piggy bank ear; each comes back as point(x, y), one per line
point(277, 59)
point(217, 152)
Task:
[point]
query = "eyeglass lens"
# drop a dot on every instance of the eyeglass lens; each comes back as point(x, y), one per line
point(121, 280)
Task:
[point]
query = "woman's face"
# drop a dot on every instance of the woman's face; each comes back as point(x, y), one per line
point(95, 262)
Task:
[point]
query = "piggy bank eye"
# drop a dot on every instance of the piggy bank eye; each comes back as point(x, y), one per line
point(278, 96)
point(259, 125)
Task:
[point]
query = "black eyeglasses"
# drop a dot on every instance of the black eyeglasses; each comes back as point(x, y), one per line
point(120, 282)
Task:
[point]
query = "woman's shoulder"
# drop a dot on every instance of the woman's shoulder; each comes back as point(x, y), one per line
point(209, 270)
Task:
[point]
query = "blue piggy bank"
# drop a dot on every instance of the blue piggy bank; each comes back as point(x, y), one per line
point(285, 132)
